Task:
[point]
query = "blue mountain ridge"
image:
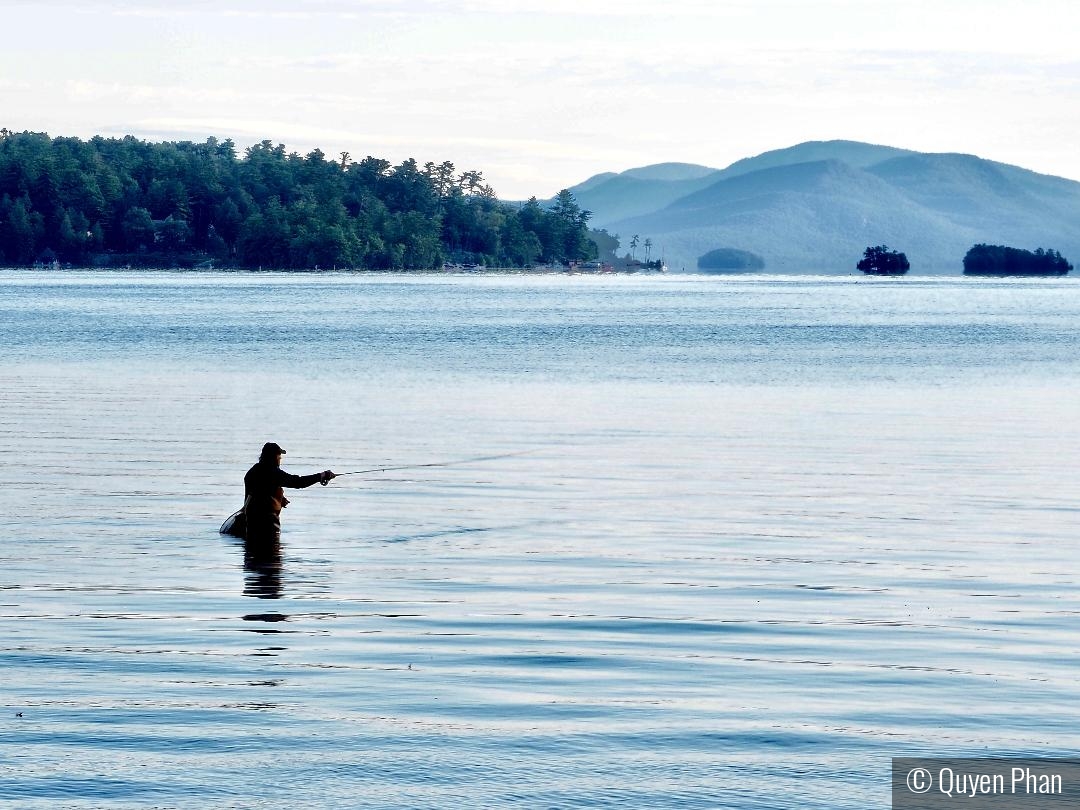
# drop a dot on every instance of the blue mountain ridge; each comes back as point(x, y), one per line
point(814, 207)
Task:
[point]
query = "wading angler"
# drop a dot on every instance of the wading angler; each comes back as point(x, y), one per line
point(264, 496)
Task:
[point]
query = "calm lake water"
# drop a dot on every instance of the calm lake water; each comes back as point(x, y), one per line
point(759, 535)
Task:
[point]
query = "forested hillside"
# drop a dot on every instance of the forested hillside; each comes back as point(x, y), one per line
point(129, 202)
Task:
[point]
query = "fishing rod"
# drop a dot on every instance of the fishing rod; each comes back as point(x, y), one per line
point(228, 527)
point(453, 463)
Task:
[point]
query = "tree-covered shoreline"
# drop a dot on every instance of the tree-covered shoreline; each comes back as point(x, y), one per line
point(127, 202)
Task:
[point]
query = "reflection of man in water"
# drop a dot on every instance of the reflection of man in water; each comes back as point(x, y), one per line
point(262, 562)
point(264, 497)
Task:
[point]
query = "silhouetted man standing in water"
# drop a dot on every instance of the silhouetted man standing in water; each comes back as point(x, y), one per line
point(264, 496)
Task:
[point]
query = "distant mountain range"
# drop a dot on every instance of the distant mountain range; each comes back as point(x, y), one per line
point(814, 207)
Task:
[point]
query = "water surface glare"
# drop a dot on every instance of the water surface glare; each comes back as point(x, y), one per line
point(758, 535)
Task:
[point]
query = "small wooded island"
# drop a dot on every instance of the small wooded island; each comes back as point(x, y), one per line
point(880, 261)
point(999, 260)
point(730, 260)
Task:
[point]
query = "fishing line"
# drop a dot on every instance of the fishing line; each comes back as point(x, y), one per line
point(453, 463)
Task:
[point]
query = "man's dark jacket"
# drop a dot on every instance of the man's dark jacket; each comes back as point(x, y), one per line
point(264, 497)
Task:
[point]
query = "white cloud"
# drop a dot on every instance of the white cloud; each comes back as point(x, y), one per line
point(570, 88)
point(295, 133)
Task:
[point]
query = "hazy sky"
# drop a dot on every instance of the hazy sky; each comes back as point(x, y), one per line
point(541, 94)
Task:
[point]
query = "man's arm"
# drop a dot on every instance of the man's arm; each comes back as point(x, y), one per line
point(285, 479)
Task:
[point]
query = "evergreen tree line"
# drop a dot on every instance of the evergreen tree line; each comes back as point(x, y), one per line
point(126, 201)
